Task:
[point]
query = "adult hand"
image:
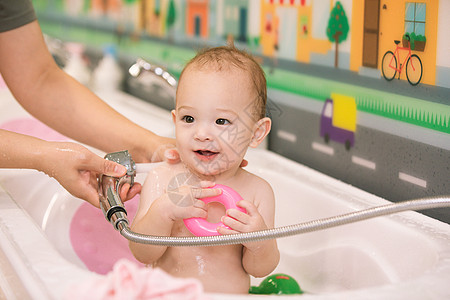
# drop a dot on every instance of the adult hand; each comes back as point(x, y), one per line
point(166, 151)
point(76, 169)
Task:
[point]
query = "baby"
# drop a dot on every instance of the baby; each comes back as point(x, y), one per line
point(220, 112)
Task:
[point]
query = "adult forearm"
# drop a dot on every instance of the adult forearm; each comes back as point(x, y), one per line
point(22, 151)
point(61, 102)
point(71, 164)
point(73, 110)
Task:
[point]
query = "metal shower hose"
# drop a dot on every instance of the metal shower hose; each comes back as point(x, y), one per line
point(320, 224)
point(114, 211)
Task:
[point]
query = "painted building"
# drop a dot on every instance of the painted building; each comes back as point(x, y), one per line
point(151, 16)
point(197, 18)
point(296, 30)
point(105, 5)
point(377, 23)
point(235, 19)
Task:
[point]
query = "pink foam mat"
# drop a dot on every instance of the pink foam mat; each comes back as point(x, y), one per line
point(31, 126)
point(93, 238)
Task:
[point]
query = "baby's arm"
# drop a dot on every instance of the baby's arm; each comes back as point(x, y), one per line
point(259, 258)
point(157, 213)
point(151, 217)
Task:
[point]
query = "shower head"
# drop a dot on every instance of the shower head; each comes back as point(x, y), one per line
point(109, 189)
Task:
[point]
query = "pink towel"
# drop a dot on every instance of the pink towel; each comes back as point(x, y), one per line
point(128, 281)
point(3, 85)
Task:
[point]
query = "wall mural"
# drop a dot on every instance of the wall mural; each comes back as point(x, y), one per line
point(358, 89)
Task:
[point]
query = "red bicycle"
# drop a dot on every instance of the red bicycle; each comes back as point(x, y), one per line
point(413, 64)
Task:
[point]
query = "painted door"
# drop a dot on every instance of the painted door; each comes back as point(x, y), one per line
point(243, 24)
point(371, 30)
point(197, 26)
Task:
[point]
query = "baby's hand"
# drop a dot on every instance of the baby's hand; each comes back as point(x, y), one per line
point(242, 222)
point(186, 203)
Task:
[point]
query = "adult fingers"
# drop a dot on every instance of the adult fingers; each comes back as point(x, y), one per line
point(89, 194)
point(172, 156)
point(166, 151)
point(127, 192)
point(104, 166)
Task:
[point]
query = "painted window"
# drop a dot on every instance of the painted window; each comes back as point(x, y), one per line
point(303, 26)
point(415, 18)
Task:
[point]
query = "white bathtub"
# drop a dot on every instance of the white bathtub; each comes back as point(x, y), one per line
point(404, 256)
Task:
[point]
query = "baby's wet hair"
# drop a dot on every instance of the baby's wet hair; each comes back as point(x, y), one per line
point(225, 58)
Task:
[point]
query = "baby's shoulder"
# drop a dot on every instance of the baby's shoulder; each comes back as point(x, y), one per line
point(165, 169)
point(257, 184)
point(161, 174)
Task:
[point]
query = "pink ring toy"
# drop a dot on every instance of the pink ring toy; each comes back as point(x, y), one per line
point(201, 227)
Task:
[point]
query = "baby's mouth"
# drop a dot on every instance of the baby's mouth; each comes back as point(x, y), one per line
point(206, 154)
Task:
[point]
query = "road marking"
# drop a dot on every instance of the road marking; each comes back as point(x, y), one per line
point(364, 162)
point(323, 148)
point(412, 179)
point(290, 137)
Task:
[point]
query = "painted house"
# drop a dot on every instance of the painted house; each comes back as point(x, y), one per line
point(235, 19)
point(104, 7)
point(151, 17)
point(297, 28)
point(238, 19)
point(377, 23)
point(197, 18)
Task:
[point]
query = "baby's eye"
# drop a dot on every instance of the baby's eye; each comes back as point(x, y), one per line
point(188, 119)
point(222, 122)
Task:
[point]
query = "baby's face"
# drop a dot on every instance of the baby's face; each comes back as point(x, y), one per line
point(214, 120)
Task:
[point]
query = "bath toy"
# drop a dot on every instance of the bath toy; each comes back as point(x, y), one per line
point(280, 284)
point(200, 226)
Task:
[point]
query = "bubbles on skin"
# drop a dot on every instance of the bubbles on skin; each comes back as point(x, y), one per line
point(200, 264)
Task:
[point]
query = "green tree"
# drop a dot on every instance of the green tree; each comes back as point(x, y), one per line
point(171, 14)
point(337, 29)
point(170, 19)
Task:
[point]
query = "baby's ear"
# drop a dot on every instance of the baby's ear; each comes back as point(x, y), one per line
point(260, 131)
point(174, 116)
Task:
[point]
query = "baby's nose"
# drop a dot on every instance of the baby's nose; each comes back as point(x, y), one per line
point(203, 133)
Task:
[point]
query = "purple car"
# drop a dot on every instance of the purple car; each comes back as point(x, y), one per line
point(331, 132)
